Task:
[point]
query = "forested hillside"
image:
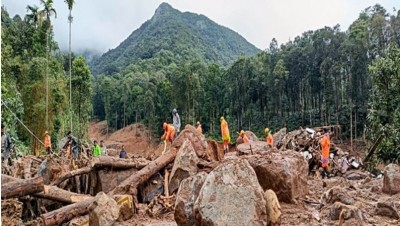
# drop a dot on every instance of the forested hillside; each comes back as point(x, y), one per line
point(179, 37)
point(321, 77)
point(35, 81)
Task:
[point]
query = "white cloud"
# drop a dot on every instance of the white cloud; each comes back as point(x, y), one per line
point(104, 24)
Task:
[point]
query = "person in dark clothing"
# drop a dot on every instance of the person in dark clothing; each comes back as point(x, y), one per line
point(5, 144)
point(123, 154)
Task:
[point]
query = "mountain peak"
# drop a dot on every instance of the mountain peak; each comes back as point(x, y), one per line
point(180, 37)
point(164, 8)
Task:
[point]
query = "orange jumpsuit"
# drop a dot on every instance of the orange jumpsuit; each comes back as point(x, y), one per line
point(225, 132)
point(270, 140)
point(326, 146)
point(169, 133)
point(245, 138)
point(47, 141)
point(199, 129)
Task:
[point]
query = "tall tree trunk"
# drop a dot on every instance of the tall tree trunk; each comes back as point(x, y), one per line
point(70, 71)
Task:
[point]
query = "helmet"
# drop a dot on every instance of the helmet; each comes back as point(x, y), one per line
point(222, 118)
point(266, 130)
point(174, 110)
point(198, 123)
point(164, 125)
point(46, 132)
point(241, 132)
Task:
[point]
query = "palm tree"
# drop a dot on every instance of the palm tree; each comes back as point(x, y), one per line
point(33, 16)
point(70, 4)
point(45, 15)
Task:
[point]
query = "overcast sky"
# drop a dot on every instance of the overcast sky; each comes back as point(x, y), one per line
point(104, 24)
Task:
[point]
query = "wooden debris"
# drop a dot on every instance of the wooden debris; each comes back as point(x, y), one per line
point(21, 188)
point(130, 184)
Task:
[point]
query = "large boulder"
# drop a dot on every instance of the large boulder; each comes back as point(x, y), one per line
point(108, 179)
point(186, 197)
point(185, 165)
point(391, 179)
point(278, 137)
point(284, 172)
point(273, 207)
point(104, 211)
point(254, 147)
point(198, 140)
point(231, 195)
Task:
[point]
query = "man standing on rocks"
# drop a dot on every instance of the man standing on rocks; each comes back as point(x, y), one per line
point(96, 149)
point(325, 146)
point(199, 129)
point(226, 138)
point(269, 138)
point(176, 121)
point(5, 144)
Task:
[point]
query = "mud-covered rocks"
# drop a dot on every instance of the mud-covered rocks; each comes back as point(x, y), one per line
point(391, 179)
point(231, 195)
point(186, 197)
point(284, 172)
point(198, 141)
point(251, 148)
point(104, 211)
point(185, 165)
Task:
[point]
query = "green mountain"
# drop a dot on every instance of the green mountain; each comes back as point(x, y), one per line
point(182, 36)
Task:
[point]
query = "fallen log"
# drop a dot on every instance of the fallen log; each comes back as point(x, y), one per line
point(372, 149)
point(70, 174)
point(130, 184)
point(57, 194)
point(21, 188)
point(51, 192)
point(100, 162)
point(116, 163)
point(66, 213)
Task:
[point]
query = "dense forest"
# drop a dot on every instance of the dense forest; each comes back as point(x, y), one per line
point(35, 81)
point(323, 77)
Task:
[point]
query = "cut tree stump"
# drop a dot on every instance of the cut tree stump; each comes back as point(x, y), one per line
point(21, 188)
point(130, 184)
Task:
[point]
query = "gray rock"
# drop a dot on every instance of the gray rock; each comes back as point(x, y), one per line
point(285, 173)
point(391, 179)
point(186, 197)
point(185, 165)
point(231, 195)
point(104, 211)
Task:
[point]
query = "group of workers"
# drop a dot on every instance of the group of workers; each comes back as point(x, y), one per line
point(171, 131)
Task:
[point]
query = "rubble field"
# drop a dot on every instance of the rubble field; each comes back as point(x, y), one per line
point(192, 182)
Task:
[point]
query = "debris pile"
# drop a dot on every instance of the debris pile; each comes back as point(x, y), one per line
point(306, 141)
point(193, 182)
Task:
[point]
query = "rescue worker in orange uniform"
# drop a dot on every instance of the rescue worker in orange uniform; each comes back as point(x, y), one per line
point(169, 132)
point(269, 138)
point(325, 142)
point(199, 129)
point(47, 142)
point(244, 137)
point(226, 138)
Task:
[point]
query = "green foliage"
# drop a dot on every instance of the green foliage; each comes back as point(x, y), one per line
point(319, 78)
point(384, 112)
point(182, 36)
point(23, 86)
